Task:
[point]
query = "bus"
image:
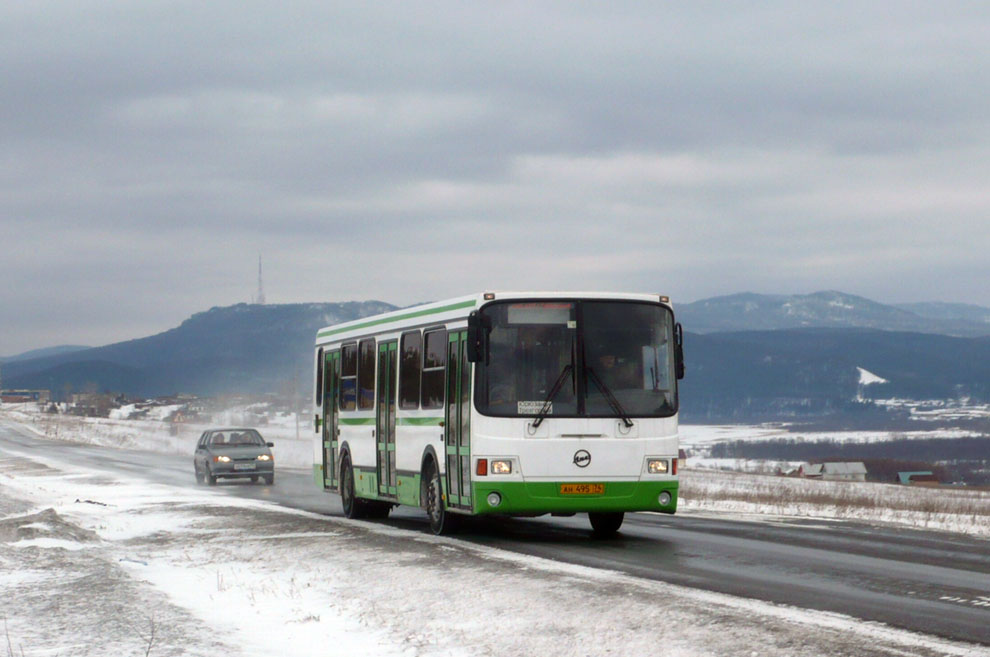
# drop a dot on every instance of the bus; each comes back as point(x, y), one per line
point(503, 403)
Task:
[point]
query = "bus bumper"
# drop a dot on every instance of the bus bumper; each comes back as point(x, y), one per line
point(531, 498)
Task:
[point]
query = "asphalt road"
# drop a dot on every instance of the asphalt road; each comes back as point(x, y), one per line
point(928, 582)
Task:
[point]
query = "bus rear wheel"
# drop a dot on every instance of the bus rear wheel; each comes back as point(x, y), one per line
point(441, 522)
point(353, 507)
point(604, 525)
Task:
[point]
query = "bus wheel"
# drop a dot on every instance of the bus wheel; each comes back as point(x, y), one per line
point(605, 524)
point(441, 522)
point(353, 507)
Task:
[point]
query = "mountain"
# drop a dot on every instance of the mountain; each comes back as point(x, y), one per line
point(731, 375)
point(795, 372)
point(247, 348)
point(951, 311)
point(41, 353)
point(761, 312)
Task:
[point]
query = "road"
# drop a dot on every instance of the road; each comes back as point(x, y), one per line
point(928, 582)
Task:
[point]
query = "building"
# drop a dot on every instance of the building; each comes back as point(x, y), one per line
point(851, 471)
point(918, 478)
point(19, 396)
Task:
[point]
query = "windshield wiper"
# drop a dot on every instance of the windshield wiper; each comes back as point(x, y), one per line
point(610, 398)
point(545, 409)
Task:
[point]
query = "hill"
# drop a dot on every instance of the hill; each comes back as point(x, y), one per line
point(731, 375)
point(41, 353)
point(761, 312)
point(246, 348)
point(800, 372)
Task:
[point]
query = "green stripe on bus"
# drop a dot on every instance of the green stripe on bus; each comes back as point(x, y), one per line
point(357, 421)
point(420, 421)
point(399, 318)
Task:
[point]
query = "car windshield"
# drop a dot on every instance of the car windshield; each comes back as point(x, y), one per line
point(580, 358)
point(235, 438)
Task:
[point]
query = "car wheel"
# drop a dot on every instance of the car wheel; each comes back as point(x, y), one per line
point(254, 479)
point(605, 525)
point(210, 477)
point(270, 479)
point(199, 475)
point(441, 522)
point(353, 507)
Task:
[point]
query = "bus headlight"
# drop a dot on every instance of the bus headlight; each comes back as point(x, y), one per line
point(664, 498)
point(657, 466)
point(501, 467)
point(494, 499)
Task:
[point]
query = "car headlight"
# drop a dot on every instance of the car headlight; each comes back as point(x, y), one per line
point(657, 466)
point(502, 467)
point(221, 459)
point(264, 457)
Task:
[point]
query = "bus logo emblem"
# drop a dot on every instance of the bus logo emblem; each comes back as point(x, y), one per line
point(582, 458)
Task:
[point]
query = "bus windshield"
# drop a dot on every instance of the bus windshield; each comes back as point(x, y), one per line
point(577, 359)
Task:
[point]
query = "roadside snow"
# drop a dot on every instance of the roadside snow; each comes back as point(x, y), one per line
point(166, 570)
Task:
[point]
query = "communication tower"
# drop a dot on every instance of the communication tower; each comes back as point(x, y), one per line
point(260, 298)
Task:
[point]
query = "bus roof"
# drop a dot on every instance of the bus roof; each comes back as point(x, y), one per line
point(439, 312)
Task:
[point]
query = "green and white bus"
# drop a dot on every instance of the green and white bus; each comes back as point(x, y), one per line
point(510, 403)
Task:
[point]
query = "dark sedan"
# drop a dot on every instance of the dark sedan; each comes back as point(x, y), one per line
point(230, 453)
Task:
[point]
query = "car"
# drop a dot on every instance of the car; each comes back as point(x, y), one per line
point(233, 453)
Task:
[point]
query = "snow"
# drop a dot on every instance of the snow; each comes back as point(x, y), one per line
point(157, 435)
point(867, 378)
point(187, 571)
point(962, 510)
point(195, 572)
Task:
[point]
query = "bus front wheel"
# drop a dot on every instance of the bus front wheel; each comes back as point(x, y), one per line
point(441, 522)
point(605, 524)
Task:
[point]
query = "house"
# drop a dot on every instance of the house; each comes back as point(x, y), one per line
point(852, 471)
point(20, 396)
point(918, 478)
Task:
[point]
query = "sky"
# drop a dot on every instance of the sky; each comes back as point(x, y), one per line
point(405, 152)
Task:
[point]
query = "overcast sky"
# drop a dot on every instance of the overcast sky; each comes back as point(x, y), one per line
point(410, 151)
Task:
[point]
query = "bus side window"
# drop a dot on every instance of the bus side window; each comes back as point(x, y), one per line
point(366, 374)
point(348, 377)
point(410, 368)
point(434, 360)
point(319, 376)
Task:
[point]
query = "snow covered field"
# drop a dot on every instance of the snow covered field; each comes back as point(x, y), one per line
point(100, 564)
point(704, 487)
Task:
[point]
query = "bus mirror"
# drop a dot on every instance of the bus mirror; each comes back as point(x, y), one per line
point(475, 338)
point(679, 351)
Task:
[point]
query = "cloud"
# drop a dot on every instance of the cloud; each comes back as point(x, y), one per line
point(149, 152)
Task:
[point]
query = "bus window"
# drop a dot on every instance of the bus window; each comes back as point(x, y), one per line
point(366, 374)
point(410, 369)
point(348, 377)
point(319, 376)
point(434, 360)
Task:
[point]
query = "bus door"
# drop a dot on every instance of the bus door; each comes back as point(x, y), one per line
point(457, 422)
point(331, 418)
point(385, 418)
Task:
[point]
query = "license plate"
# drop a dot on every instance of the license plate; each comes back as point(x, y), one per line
point(582, 489)
point(244, 466)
